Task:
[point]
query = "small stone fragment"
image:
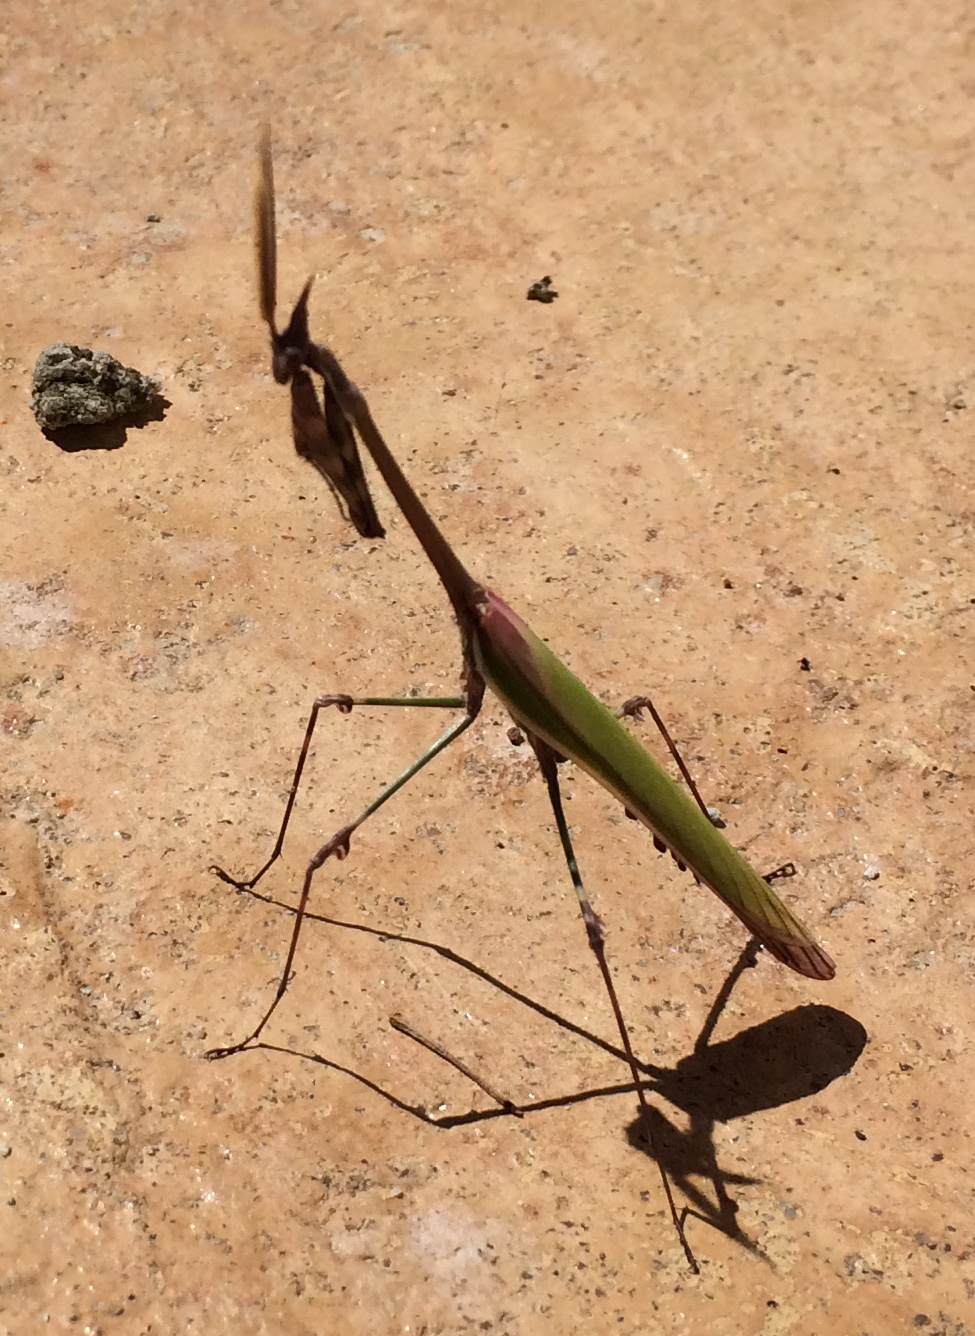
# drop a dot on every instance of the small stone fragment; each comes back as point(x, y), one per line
point(78, 387)
point(542, 291)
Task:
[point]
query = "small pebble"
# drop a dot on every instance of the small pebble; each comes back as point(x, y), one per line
point(77, 387)
point(542, 291)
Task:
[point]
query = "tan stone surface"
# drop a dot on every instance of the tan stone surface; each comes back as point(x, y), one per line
point(739, 437)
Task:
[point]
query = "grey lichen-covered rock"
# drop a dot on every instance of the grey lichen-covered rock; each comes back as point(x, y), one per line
point(75, 386)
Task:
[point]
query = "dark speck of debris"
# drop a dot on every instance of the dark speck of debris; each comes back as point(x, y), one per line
point(157, 218)
point(860, 1136)
point(921, 1320)
point(805, 665)
point(78, 387)
point(542, 291)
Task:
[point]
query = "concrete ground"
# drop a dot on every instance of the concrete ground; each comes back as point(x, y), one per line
point(730, 465)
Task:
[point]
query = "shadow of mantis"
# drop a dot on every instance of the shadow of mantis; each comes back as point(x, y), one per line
point(781, 1060)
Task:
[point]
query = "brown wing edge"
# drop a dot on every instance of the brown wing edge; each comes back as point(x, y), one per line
point(792, 946)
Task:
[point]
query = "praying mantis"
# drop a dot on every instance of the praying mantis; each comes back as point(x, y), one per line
point(561, 719)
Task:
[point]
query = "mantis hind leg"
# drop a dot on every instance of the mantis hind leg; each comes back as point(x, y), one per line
point(633, 709)
point(548, 760)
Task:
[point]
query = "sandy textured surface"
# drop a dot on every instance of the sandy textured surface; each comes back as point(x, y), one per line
point(739, 439)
